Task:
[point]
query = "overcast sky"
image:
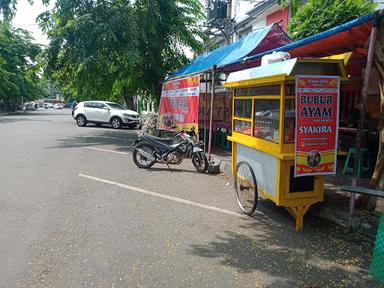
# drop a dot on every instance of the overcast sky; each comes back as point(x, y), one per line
point(26, 16)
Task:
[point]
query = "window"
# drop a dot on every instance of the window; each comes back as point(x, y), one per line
point(242, 127)
point(243, 108)
point(290, 90)
point(115, 106)
point(266, 120)
point(258, 91)
point(245, 32)
point(289, 121)
point(89, 104)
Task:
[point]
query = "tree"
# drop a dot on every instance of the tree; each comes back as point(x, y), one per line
point(92, 51)
point(19, 71)
point(166, 28)
point(7, 9)
point(116, 50)
point(293, 4)
point(320, 15)
point(378, 174)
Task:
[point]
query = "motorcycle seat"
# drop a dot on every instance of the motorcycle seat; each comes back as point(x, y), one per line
point(159, 139)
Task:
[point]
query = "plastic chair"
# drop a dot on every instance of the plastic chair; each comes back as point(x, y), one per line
point(217, 139)
point(364, 167)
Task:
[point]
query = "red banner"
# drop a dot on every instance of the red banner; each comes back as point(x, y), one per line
point(179, 104)
point(317, 123)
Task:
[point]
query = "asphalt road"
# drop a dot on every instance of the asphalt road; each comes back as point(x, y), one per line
point(76, 212)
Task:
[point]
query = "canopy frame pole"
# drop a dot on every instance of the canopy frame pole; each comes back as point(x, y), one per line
point(360, 127)
point(205, 110)
point(211, 112)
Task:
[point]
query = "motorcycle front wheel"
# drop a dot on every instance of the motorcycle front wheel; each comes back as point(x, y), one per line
point(200, 162)
point(140, 160)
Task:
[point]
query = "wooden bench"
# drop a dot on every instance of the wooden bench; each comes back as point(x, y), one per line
point(342, 153)
point(363, 190)
point(359, 190)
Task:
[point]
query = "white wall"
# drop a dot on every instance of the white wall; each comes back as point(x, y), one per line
point(259, 23)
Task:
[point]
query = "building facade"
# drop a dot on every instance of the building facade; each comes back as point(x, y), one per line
point(230, 20)
point(244, 17)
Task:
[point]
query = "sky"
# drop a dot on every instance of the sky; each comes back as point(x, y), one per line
point(26, 18)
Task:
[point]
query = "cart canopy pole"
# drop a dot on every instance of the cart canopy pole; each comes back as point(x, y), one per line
point(205, 111)
point(360, 127)
point(211, 113)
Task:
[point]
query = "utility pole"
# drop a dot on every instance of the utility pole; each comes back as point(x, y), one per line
point(228, 23)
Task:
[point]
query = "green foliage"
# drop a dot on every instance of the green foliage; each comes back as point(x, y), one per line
point(7, 9)
point(293, 5)
point(166, 27)
point(116, 49)
point(320, 15)
point(19, 71)
point(92, 52)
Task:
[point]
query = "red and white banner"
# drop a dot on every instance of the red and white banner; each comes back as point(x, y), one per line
point(317, 124)
point(179, 104)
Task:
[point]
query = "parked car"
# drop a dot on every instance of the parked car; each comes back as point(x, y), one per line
point(100, 112)
point(58, 106)
point(73, 106)
point(30, 106)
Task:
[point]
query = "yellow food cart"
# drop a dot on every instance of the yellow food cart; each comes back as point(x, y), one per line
point(263, 135)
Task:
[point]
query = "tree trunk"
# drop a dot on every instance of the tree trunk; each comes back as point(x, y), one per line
point(158, 89)
point(130, 100)
point(378, 174)
point(379, 168)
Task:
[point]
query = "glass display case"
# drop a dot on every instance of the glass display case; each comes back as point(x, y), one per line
point(289, 121)
point(266, 121)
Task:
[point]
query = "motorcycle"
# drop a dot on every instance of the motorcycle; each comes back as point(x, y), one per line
point(150, 149)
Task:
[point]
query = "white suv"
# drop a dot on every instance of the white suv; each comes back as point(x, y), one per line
point(100, 112)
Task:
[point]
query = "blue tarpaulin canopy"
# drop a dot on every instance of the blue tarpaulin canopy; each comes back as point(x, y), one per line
point(347, 37)
point(256, 42)
point(247, 52)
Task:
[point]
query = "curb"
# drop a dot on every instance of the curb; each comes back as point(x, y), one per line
point(225, 166)
point(9, 113)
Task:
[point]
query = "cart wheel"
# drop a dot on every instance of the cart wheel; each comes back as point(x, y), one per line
point(246, 187)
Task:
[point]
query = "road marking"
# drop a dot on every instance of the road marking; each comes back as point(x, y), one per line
point(106, 150)
point(155, 194)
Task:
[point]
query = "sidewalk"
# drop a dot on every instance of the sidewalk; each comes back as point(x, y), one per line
point(9, 113)
point(334, 208)
point(224, 158)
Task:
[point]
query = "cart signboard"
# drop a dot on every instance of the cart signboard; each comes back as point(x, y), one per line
point(179, 104)
point(317, 109)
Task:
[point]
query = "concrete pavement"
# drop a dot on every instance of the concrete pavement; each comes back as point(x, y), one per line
point(74, 213)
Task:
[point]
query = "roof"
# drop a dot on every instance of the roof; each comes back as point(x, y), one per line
point(258, 9)
point(283, 68)
point(347, 37)
point(256, 42)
